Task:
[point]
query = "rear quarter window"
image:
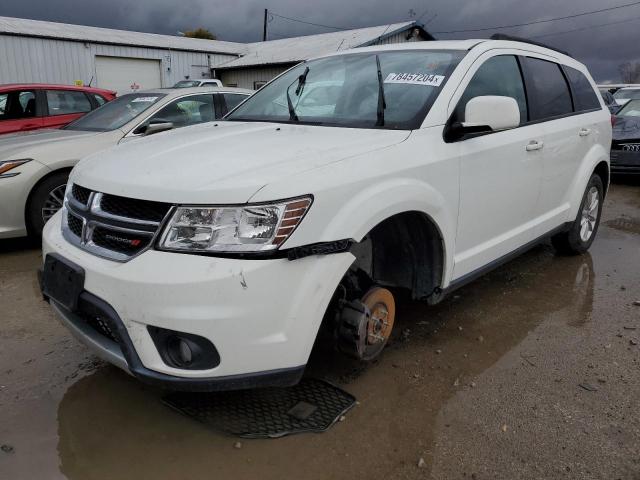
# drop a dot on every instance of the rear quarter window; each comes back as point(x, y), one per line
point(547, 88)
point(584, 97)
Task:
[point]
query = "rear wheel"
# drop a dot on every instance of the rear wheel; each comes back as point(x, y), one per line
point(583, 231)
point(45, 200)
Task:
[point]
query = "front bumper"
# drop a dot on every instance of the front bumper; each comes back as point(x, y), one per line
point(261, 315)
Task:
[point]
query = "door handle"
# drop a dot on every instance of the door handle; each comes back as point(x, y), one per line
point(534, 145)
point(584, 132)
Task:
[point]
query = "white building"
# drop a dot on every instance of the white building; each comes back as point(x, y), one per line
point(33, 51)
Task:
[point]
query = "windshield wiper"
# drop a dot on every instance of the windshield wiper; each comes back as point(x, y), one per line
point(302, 79)
point(382, 104)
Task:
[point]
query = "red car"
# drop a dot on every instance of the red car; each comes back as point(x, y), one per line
point(31, 106)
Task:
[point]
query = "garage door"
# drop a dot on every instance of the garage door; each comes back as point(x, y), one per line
point(120, 74)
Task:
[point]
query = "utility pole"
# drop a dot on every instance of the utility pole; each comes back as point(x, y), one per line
point(264, 28)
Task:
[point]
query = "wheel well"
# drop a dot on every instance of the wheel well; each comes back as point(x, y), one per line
point(37, 184)
point(405, 251)
point(602, 170)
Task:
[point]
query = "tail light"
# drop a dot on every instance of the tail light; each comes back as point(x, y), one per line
point(613, 120)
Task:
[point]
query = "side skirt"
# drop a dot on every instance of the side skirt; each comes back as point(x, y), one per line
point(471, 276)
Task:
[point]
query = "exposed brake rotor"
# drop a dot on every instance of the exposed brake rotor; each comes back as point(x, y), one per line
point(365, 325)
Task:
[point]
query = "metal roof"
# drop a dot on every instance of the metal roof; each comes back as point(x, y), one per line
point(81, 33)
point(296, 49)
point(287, 50)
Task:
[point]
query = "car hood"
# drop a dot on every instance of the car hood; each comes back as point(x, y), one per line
point(626, 128)
point(48, 145)
point(226, 162)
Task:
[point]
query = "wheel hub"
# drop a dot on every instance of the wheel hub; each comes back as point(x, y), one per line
point(589, 215)
point(53, 203)
point(364, 326)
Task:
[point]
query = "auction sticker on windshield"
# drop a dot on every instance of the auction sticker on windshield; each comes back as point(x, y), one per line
point(145, 99)
point(415, 79)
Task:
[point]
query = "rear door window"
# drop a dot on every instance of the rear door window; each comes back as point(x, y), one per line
point(17, 104)
point(584, 97)
point(232, 100)
point(186, 111)
point(99, 99)
point(497, 76)
point(64, 102)
point(549, 94)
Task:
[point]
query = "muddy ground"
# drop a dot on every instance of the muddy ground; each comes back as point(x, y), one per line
point(530, 372)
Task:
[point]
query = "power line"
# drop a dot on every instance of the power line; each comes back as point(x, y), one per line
point(311, 23)
point(587, 28)
point(542, 21)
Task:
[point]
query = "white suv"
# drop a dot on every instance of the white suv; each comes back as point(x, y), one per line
point(209, 257)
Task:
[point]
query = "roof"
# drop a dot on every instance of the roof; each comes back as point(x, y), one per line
point(433, 45)
point(296, 49)
point(51, 86)
point(82, 33)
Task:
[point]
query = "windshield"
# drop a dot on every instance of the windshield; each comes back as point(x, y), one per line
point(344, 90)
point(187, 84)
point(627, 93)
point(631, 109)
point(115, 113)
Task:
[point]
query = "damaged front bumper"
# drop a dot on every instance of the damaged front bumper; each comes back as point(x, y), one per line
point(262, 316)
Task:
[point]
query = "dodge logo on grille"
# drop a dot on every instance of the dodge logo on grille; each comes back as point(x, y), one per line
point(631, 147)
point(126, 241)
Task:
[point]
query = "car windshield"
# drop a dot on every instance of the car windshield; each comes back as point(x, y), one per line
point(345, 90)
point(116, 113)
point(186, 84)
point(626, 93)
point(631, 109)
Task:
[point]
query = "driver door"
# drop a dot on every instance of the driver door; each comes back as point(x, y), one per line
point(500, 173)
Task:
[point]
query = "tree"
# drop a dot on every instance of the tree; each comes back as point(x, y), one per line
point(629, 72)
point(200, 33)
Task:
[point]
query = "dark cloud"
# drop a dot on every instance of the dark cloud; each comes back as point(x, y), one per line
point(601, 48)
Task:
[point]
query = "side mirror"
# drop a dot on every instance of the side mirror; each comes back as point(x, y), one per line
point(157, 128)
point(494, 112)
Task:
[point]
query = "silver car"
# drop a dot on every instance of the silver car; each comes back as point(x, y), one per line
point(34, 166)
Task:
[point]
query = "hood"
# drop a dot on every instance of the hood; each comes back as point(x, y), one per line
point(48, 145)
point(226, 162)
point(626, 128)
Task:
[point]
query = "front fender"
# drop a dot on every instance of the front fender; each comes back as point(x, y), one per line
point(376, 203)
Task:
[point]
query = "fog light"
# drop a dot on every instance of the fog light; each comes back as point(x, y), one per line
point(184, 350)
point(180, 351)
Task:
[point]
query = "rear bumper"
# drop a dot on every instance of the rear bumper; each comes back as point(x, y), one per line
point(625, 169)
point(624, 162)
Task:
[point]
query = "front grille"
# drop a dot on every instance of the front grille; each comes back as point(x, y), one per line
point(132, 208)
point(75, 224)
point(102, 327)
point(81, 194)
point(111, 226)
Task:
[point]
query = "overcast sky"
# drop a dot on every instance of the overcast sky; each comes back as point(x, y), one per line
point(601, 48)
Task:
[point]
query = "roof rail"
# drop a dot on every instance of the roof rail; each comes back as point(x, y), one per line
point(503, 36)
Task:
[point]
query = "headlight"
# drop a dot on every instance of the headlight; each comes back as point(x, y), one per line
point(10, 165)
point(247, 228)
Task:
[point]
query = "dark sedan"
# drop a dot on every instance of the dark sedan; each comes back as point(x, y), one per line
point(625, 148)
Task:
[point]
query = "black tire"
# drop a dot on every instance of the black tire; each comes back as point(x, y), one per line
point(41, 205)
point(575, 240)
